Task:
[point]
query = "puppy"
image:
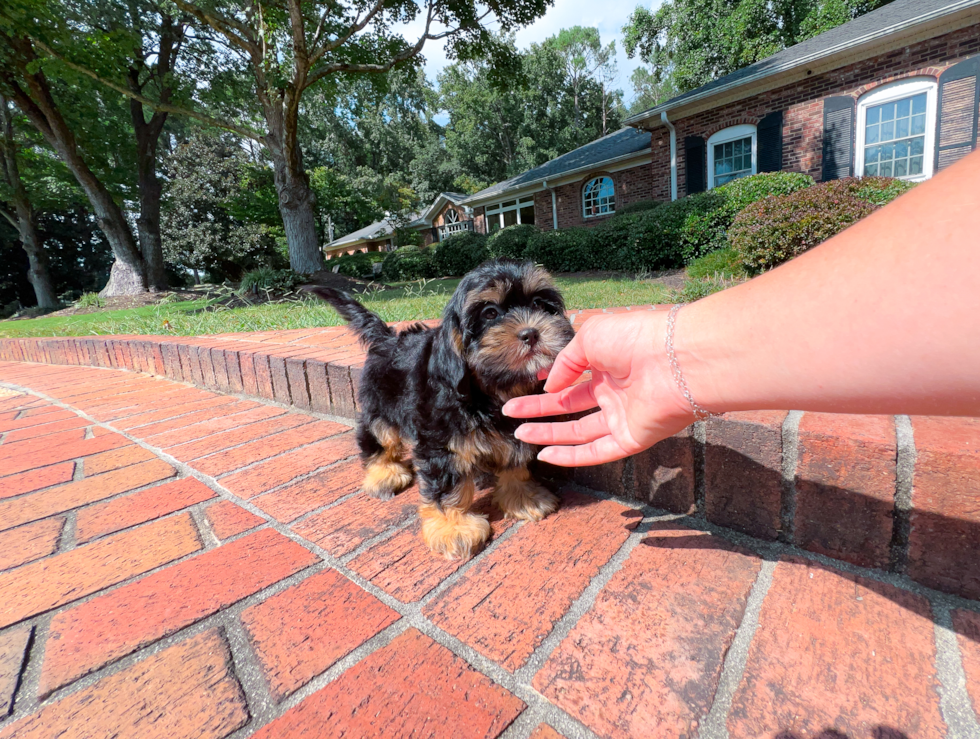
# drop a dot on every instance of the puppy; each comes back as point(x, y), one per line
point(441, 390)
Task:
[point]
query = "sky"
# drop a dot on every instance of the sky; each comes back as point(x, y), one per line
point(609, 16)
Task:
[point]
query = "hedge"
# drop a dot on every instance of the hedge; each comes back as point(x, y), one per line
point(511, 241)
point(357, 265)
point(460, 253)
point(409, 263)
point(774, 230)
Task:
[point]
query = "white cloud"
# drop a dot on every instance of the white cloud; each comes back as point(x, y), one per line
point(608, 16)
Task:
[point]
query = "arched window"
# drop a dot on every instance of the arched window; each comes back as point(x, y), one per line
point(598, 197)
point(896, 126)
point(731, 154)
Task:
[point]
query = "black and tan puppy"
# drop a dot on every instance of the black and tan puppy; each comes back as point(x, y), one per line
point(441, 390)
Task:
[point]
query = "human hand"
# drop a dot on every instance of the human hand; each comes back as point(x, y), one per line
point(639, 402)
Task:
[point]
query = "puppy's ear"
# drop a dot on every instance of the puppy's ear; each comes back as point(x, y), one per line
point(447, 364)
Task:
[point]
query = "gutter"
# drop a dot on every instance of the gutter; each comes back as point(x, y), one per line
point(554, 205)
point(673, 154)
point(881, 34)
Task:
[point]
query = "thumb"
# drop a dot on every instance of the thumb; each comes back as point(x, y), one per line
point(569, 365)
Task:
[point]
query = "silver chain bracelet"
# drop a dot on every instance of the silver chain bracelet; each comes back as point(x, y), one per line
point(699, 413)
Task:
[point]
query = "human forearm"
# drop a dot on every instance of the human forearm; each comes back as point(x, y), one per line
point(883, 318)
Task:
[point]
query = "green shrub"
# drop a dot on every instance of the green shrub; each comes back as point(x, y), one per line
point(638, 207)
point(776, 229)
point(566, 250)
point(268, 279)
point(357, 265)
point(460, 253)
point(703, 287)
point(408, 263)
point(710, 214)
point(876, 190)
point(722, 263)
point(510, 242)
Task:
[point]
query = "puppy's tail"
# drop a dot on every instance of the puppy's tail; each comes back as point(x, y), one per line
point(368, 326)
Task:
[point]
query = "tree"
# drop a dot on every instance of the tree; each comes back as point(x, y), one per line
point(287, 47)
point(648, 91)
point(17, 209)
point(586, 59)
point(689, 43)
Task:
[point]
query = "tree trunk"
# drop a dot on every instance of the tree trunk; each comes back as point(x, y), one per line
point(38, 274)
point(150, 192)
point(129, 270)
point(296, 199)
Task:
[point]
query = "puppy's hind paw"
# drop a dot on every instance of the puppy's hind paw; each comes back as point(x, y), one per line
point(523, 499)
point(453, 533)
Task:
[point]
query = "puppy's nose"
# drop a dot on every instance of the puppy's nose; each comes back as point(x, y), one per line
point(529, 336)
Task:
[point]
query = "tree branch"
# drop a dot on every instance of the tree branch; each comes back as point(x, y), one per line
point(224, 26)
point(155, 105)
point(356, 27)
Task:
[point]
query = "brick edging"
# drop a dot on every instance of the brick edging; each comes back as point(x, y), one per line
point(886, 492)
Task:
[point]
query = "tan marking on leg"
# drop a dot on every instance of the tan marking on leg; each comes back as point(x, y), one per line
point(481, 449)
point(519, 496)
point(454, 532)
point(387, 473)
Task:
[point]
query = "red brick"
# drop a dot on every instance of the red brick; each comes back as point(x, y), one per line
point(271, 474)
point(845, 487)
point(236, 436)
point(305, 629)
point(13, 654)
point(269, 446)
point(18, 449)
point(63, 578)
point(234, 371)
point(249, 382)
point(116, 459)
point(966, 624)
point(228, 519)
point(944, 542)
point(509, 601)
point(319, 386)
point(664, 474)
point(344, 527)
point(131, 510)
point(57, 500)
point(323, 488)
point(162, 409)
point(110, 626)
point(199, 424)
point(52, 417)
point(646, 659)
point(341, 391)
point(30, 542)
point(46, 455)
point(413, 687)
point(836, 651)
point(43, 430)
point(743, 460)
point(188, 690)
point(406, 569)
point(263, 376)
point(545, 732)
point(28, 482)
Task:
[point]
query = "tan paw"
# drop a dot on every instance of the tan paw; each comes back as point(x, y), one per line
point(384, 480)
point(453, 533)
point(520, 497)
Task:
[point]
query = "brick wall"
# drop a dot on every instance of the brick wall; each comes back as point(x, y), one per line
point(632, 185)
point(802, 103)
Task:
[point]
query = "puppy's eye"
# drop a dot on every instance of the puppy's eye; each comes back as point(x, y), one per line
point(489, 313)
point(539, 304)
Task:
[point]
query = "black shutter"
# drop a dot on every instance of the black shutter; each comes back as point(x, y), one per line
point(838, 137)
point(956, 121)
point(435, 235)
point(694, 158)
point(769, 141)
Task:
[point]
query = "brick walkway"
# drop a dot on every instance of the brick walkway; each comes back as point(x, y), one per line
point(176, 562)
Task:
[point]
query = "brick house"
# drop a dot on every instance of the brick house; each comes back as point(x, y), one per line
point(444, 217)
point(894, 92)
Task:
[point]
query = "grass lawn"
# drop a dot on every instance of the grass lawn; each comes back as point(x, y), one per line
point(399, 302)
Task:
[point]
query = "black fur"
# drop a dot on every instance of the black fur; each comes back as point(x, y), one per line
point(437, 385)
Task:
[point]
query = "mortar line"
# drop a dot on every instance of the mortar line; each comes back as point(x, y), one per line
point(255, 687)
point(790, 438)
point(904, 475)
point(954, 700)
point(25, 696)
point(699, 435)
point(21, 693)
point(714, 724)
point(204, 528)
point(67, 538)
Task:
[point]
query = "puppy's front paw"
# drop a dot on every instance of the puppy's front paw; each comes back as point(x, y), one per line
point(520, 497)
point(386, 479)
point(453, 533)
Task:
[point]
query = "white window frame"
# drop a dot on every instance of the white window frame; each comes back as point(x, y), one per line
point(585, 187)
point(498, 210)
point(732, 133)
point(890, 93)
